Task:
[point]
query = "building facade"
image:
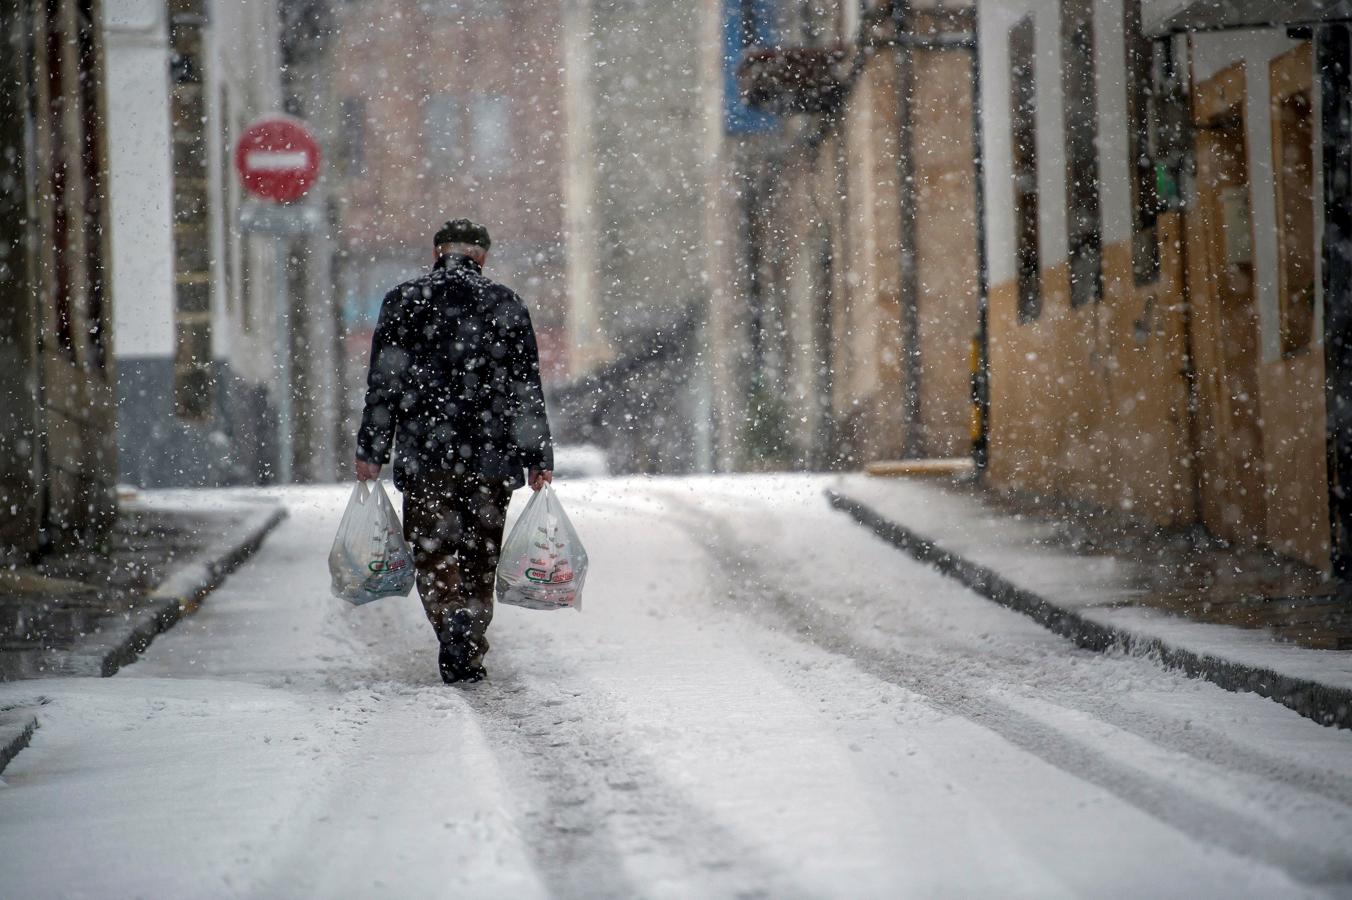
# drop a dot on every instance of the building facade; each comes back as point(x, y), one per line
point(1159, 264)
point(848, 279)
point(637, 179)
point(1096, 244)
point(57, 455)
point(226, 341)
point(443, 111)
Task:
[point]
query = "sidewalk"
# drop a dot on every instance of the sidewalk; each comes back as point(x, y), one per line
point(1246, 620)
point(88, 614)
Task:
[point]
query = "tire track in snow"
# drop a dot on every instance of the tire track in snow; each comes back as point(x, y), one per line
point(604, 803)
point(590, 800)
point(408, 806)
point(571, 856)
point(570, 846)
point(1202, 742)
point(1184, 736)
point(1180, 808)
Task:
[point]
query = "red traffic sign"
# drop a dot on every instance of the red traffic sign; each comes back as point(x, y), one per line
point(277, 158)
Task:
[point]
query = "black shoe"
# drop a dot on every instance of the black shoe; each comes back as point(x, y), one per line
point(454, 667)
point(448, 661)
point(461, 636)
point(460, 675)
point(472, 674)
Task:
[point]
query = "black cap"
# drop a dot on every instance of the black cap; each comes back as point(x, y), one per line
point(462, 231)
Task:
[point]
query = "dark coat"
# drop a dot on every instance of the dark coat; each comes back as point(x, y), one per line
point(454, 381)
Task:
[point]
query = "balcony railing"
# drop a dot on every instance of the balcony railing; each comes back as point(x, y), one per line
point(793, 79)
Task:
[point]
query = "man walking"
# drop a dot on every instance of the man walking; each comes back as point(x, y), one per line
point(454, 388)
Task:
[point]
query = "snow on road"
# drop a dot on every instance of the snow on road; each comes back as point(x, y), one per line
point(760, 700)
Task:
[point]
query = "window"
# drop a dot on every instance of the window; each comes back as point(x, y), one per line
point(490, 139)
point(1145, 248)
point(1084, 222)
point(746, 24)
point(442, 147)
point(1023, 126)
point(1293, 152)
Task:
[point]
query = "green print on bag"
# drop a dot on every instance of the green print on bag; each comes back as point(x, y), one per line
point(370, 558)
point(541, 576)
point(543, 564)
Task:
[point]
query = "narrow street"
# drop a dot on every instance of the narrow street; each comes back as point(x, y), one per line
point(759, 699)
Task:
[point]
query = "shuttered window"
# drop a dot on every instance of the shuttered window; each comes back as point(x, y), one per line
point(1084, 220)
point(1023, 142)
point(1145, 247)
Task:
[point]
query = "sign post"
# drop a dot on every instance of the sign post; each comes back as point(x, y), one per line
point(278, 159)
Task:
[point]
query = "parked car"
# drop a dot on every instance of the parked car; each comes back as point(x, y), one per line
point(580, 461)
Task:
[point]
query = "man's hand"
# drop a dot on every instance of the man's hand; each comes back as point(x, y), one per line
point(367, 471)
point(540, 477)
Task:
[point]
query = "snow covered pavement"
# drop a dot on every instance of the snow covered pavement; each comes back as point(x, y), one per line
point(760, 699)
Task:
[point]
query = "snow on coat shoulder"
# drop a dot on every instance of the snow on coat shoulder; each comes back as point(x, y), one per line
point(543, 564)
point(370, 558)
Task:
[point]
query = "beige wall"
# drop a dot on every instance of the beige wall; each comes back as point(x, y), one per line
point(869, 385)
point(1091, 402)
point(832, 276)
point(946, 247)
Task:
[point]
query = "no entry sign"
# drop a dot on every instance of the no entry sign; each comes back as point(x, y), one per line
point(277, 158)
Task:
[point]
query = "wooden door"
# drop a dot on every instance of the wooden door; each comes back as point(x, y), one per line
point(1293, 380)
point(1233, 471)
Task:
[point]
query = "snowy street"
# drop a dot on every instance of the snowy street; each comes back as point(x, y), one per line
point(759, 699)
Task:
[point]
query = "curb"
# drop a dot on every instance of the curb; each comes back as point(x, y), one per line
point(179, 594)
point(1324, 704)
point(16, 730)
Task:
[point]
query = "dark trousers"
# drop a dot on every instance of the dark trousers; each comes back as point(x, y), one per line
point(454, 524)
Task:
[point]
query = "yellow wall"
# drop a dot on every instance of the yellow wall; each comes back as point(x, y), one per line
point(946, 244)
point(869, 388)
point(1294, 450)
point(1091, 403)
point(1081, 409)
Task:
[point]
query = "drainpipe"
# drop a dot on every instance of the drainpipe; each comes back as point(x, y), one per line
point(981, 385)
point(282, 297)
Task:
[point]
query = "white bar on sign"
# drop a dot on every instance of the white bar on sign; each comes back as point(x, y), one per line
point(276, 160)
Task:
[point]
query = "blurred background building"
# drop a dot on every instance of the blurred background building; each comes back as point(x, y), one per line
point(850, 250)
point(638, 247)
point(447, 110)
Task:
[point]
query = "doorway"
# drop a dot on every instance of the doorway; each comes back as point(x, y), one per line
point(1233, 471)
point(1334, 64)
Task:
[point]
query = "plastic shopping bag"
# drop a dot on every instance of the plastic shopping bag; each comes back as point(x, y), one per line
point(543, 563)
point(370, 558)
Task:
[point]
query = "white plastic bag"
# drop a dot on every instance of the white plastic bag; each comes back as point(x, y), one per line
point(543, 564)
point(370, 558)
